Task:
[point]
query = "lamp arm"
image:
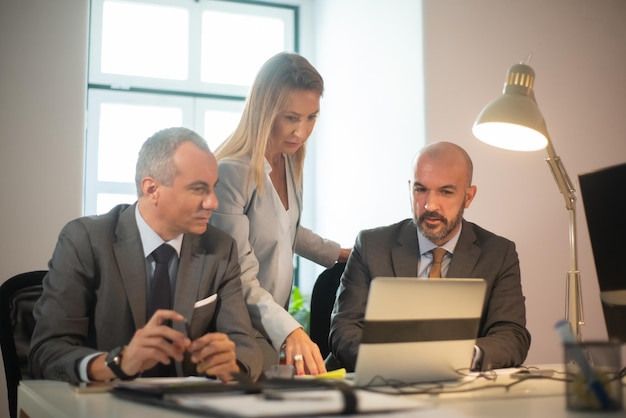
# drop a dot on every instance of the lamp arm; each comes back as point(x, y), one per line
point(573, 298)
point(560, 176)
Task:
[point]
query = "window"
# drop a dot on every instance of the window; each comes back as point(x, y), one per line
point(161, 63)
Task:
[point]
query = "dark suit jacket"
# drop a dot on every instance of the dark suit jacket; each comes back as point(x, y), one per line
point(94, 296)
point(393, 251)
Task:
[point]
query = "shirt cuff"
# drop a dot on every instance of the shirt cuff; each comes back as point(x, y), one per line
point(477, 359)
point(82, 366)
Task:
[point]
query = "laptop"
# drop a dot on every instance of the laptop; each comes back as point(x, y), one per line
point(418, 330)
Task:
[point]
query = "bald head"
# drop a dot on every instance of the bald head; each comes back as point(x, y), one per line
point(441, 189)
point(447, 154)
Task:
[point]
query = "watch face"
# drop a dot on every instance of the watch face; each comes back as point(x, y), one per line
point(114, 356)
point(113, 360)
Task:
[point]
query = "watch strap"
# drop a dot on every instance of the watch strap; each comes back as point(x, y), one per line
point(114, 360)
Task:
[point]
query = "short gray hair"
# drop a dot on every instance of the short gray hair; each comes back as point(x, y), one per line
point(156, 155)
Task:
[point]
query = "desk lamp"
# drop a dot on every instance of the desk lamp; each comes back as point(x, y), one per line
point(513, 121)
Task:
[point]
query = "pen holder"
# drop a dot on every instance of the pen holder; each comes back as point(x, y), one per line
point(593, 376)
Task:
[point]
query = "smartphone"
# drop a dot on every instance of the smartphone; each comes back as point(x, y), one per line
point(91, 387)
point(187, 328)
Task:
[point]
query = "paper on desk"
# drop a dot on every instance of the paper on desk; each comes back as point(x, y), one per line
point(172, 380)
point(294, 403)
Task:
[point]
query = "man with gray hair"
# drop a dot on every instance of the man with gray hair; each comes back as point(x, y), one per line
point(148, 289)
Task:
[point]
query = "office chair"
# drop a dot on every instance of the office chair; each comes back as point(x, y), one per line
point(322, 302)
point(17, 298)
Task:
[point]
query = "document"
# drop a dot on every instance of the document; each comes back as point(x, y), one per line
point(295, 403)
point(271, 398)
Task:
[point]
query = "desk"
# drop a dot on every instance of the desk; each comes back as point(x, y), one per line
point(530, 398)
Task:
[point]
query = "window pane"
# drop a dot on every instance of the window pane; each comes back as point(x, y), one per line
point(218, 125)
point(107, 201)
point(234, 46)
point(123, 129)
point(145, 40)
point(160, 63)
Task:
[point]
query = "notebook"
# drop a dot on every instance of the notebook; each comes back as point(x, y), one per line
point(270, 398)
point(418, 330)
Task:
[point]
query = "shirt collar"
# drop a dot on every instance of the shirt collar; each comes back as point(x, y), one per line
point(425, 245)
point(150, 240)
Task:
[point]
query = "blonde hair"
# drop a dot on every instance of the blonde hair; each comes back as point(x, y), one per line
point(277, 78)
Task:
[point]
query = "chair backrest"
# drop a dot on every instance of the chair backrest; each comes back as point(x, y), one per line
point(322, 302)
point(17, 298)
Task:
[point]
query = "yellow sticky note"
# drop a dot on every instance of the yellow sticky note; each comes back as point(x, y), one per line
point(333, 374)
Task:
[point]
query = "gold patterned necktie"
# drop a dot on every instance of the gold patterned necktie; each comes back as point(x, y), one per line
point(435, 267)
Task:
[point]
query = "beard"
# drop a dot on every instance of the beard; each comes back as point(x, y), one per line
point(447, 226)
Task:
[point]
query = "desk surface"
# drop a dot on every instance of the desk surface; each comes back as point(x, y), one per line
point(530, 398)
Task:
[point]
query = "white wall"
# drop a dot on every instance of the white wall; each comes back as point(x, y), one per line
point(42, 97)
point(43, 48)
point(370, 57)
point(579, 56)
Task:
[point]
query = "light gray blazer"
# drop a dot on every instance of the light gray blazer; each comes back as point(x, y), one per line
point(393, 251)
point(94, 295)
point(250, 217)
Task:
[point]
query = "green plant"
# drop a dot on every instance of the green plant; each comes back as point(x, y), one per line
point(299, 308)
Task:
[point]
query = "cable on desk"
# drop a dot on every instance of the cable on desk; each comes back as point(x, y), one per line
point(617, 376)
point(404, 388)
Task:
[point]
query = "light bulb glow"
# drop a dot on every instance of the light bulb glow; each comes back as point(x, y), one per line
point(509, 136)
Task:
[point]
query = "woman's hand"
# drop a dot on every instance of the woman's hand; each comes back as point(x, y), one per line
point(303, 354)
point(344, 253)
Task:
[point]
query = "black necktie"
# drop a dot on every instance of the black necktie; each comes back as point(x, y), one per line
point(160, 298)
point(160, 292)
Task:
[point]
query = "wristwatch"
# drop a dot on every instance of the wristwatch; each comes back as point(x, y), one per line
point(114, 362)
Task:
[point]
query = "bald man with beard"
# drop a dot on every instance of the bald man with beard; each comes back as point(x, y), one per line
point(440, 190)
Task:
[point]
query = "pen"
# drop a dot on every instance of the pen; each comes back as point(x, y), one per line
point(579, 356)
point(187, 328)
point(274, 395)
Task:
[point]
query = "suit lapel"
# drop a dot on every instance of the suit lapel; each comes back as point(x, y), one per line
point(190, 269)
point(131, 264)
point(404, 257)
point(466, 253)
point(297, 187)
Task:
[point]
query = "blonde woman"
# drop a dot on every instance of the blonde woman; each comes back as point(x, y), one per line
point(260, 203)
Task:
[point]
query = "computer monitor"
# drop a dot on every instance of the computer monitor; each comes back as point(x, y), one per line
point(604, 198)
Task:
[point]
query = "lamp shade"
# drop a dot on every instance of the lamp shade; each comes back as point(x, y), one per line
point(513, 121)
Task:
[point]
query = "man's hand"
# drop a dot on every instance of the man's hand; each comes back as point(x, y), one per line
point(154, 343)
point(214, 354)
point(303, 353)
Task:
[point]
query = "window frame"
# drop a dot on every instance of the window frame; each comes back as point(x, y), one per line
point(194, 95)
point(98, 79)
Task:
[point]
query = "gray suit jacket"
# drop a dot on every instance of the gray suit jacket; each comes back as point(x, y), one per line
point(251, 218)
point(393, 251)
point(94, 295)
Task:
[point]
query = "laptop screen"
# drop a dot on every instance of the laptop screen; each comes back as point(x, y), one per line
point(418, 330)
